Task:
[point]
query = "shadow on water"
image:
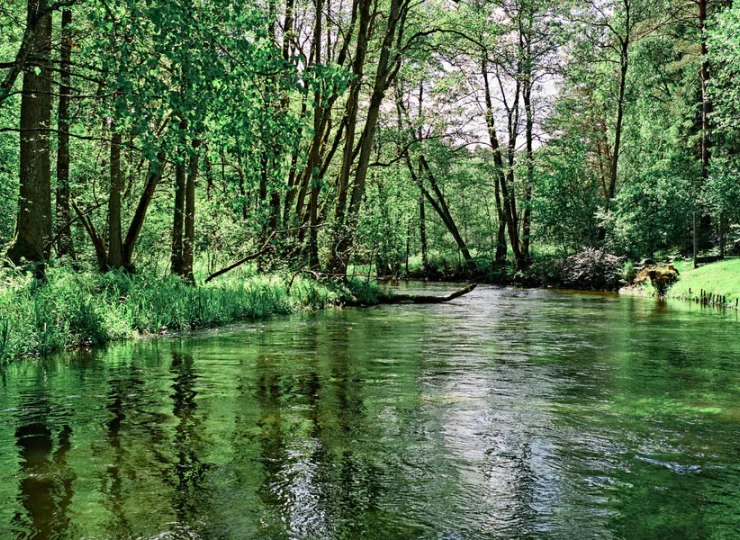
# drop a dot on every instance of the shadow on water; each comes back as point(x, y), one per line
point(124, 387)
point(46, 482)
point(189, 469)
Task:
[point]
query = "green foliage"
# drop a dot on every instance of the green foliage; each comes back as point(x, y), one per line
point(724, 54)
point(653, 211)
point(78, 309)
point(566, 195)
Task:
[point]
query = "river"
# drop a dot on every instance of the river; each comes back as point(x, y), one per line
point(504, 414)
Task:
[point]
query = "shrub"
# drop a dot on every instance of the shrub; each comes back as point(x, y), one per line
point(593, 269)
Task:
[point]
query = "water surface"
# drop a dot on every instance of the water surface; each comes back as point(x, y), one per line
point(505, 414)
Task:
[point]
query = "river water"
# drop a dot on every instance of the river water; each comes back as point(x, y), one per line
point(504, 414)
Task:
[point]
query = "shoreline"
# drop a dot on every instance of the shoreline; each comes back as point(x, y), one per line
point(249, 299)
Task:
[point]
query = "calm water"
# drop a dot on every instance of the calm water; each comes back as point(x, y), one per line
point(506, 414)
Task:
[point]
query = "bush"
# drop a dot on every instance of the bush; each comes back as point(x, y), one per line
point(593, 269)
point(628, 273)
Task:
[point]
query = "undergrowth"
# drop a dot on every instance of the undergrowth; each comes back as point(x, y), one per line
point(72, 309)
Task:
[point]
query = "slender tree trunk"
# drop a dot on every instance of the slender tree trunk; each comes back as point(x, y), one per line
point(153, 178)
point(33, 228)
point(439, 205)
point(705, 221)
point(614, 169)
point(498, 162)
point(188, 248)
point(529, 135)
point(115, 231)
point(315, 182)
point(64, 232)
point(706, 105)
point(423, 233)
point(614, 172)
point(291, 192)
point(445, 214)
point(384, 75)
point(350, 119)
point(178, 217)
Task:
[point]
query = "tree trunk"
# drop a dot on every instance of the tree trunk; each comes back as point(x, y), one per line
point(178, 217)
point(614, 169)
point(426, 298)
point(153, 178)
point(706, 106)
point(529, 135)
point(64, 232)
point(115, 242)
point(384, 75)
point(33, 228)
point(703, 232)
point(315, 180)
point(350, 119)
point(445, 213)
point(423, 233)
point(498, 162)
point(188, 248)
point(439, 205)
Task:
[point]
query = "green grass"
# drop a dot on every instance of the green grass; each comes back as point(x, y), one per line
point(720, 278)
point(73, 309)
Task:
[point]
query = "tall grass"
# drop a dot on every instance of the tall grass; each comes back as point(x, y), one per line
point(72, 309)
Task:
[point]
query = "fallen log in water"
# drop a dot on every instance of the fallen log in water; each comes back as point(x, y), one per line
point(424, 298)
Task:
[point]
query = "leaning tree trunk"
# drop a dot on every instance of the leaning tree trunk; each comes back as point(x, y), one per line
point(154, 176)
point(387, 69)
point(423, 233)
point(33, 229)
point(529, 134)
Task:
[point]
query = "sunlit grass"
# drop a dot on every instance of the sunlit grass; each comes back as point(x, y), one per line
point(720, 278)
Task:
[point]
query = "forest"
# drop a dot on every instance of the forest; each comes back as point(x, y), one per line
point(150, 147)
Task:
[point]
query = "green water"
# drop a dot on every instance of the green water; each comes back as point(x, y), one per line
point(505, 414)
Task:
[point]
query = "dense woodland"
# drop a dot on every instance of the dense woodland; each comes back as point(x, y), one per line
point(317, 136)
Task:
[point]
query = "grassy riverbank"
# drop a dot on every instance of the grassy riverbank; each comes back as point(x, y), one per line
point(73, 309)
point(720, 279)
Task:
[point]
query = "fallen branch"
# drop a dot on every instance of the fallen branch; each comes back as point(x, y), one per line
point(315, 275)
point(426, 299)
point(264, 249)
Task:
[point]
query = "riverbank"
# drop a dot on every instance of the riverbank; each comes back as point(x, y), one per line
point(719, 279)
point(80, 309)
